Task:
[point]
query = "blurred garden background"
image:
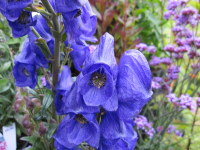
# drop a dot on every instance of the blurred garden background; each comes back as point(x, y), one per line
point(166, 32)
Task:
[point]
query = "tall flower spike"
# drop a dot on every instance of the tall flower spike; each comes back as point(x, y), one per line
point(133, 84)
point(97, 86)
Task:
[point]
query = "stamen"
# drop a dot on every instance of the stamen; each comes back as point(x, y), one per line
point(24, 18)
point(78, 13)
point(98, 79)
point(25, 72)
point(81, 119)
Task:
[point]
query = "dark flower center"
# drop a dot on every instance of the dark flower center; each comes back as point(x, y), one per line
point(81, 119)
point(24, 18)
point(78, 13)
point(87, 146)
point(25, 72)
point(98, 79)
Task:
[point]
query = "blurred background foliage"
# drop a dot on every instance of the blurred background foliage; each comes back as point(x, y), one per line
point(130, 22)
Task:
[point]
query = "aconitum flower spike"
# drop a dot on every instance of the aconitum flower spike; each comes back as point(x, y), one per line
point(21, 26)
point(75, 129)
point(12, 9)
point(97, 86)
point(134, 74)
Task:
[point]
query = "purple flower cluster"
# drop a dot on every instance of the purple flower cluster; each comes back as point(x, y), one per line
point(141, 122)
point(155, 61)
point(173, 72)
point(184, 101)
point(144, 47)
point(156, 82)
point(172, 129)
point(185, 39)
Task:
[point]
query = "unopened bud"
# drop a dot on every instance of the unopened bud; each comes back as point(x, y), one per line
point(29, 103)
point(17, 104)
point(36, 102)
point(42, 129)
point(26, 122)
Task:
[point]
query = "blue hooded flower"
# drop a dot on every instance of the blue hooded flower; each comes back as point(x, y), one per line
point(61, 147)
point(133, 84)
point(64, 6)
point(116, 134)
point(42, 28)
point(74, 103)
point(79, 54)
point(21, 26)
point(24, 70)
point(75, 129)
point(80, 24)
point(12, 9)
point(97, 86)
point(62, 88)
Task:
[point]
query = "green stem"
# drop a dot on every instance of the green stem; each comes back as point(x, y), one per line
point(192, 129)
point(42, 44)
point(57, 43)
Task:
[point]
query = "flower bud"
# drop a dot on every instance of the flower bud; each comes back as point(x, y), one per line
point(29, 103)
point(26, 121)
point(17, 105)
point(36, 102)
point(42, 129)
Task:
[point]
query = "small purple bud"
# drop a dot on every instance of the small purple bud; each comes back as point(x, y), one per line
point(42, 129)
point(141, 47)
point(26, 121)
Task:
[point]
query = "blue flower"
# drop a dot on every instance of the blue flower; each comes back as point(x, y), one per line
point(75, 129)
point(25, 74)
point(21, 26)
point(44, 31)
point(12, 9)
point(42, 28)
point(24, 70)
point(97, 86)
point(64, 6)
point(74, 103)
point(133, 84)
point(116, 134)
point(78, 55)
point(80, 24)
point(62, 88)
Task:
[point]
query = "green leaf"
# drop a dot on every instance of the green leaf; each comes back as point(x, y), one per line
point(5, 66)
point(4, 85)
point(47, 100)
point(51, 129)
point(30, 139)
point(4, 99)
